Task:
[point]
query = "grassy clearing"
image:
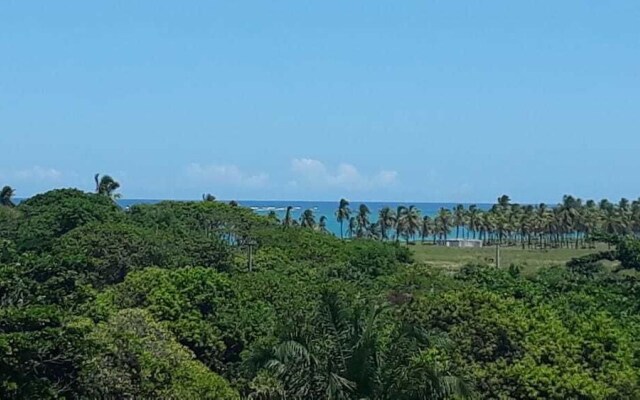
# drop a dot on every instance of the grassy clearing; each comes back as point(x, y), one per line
point(530, 260)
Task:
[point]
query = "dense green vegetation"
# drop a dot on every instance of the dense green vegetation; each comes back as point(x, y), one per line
point(158, 301)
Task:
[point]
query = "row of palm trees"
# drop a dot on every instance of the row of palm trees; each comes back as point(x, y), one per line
point(571, 223)
point(307, 220)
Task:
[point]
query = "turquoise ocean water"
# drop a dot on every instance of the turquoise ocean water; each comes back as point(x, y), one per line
point(320, 208)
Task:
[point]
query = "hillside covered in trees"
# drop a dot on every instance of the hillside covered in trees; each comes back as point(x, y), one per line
point(185, 300)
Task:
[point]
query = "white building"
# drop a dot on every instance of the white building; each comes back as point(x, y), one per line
point(475, 243)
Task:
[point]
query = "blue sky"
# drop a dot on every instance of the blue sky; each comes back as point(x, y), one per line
point(313, 100)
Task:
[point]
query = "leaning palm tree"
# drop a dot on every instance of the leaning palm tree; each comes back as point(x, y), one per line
point(208, 197)
point(322, 225)
point(307, 219)
point(353, 227)
point(362, 220)
point(342, 214)
point(5, 196)
point(106, 186)
point(399, 227)
point(288, 220)
point(273, 217)
point(386, 221)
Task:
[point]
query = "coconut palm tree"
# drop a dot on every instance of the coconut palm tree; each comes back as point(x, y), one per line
point(106, 186)
point(273, 217)
point(400, 211)
point(458, 218)
point(353, 227)
point(362, 219)
point(487, 225)
point(352, 361)
point(410, 222)
point(427, 228)
point(386, 221)
point(208, 197)
point(375, 230)
point(6, 196)
point(443, 223)
point(503, 201)
point(473, 219)
point(307, 219)
point(322, 224)
point(526, 225)
point(288, 219)
point(343, 213)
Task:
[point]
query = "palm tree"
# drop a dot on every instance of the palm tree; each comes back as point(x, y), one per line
point(526, 225)
point(458, 218)
point(342, 214)
point(375, 230)
point(427, 228)
point(352, 361)
point(322, 224)
point(288, 220)
point(362, 220)
point(473, 219)
point(353, 227)
point(208, 197)
point(443, 223)
point(307, 219)
point(273, 217)
point(400, 211)
point(386, 221)
point(106, 186)
point(5, 196)
point(503, 201)
point(348, 366)
point(410, 221)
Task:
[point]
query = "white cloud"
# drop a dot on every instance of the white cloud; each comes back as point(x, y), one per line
point(35, 173)
point(227, 175)
point(315, 173)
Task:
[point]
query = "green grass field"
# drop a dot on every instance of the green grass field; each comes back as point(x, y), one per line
point(530, 260)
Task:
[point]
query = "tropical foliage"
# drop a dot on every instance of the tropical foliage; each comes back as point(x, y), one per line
point(157, 302)
point(571, 223)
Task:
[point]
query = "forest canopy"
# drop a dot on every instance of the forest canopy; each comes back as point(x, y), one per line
point(209, 300)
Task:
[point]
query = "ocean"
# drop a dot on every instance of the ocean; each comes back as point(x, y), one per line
point(323, 208)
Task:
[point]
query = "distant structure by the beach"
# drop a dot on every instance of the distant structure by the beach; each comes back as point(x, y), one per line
point(461, 243)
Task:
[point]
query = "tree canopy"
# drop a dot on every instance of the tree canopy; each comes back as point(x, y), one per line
point(157, 301)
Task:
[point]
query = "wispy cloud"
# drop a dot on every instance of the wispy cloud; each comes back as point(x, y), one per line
point(230, 175)
point(35, 173)
point(315, 173)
